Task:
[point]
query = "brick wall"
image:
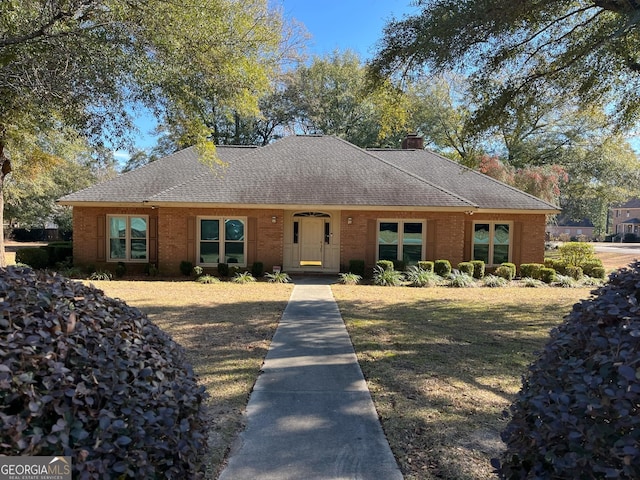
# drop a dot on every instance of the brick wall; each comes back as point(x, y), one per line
point(448, 234)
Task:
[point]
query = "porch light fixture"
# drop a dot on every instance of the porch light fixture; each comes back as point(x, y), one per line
point(349, 220)
point(274, 219)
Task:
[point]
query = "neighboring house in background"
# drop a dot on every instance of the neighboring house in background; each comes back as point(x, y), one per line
point(625, 218)
point(306, 204)
point(567, 229)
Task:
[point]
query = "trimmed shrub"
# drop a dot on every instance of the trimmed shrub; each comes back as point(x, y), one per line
point(478, 269)
point(387, 278)
point(504, 271)
point(425, 265)
point(357, 267)
point(589, 266)
point(573, 272)
point(223, 269)
point(257, 269)
point(531, 270)
point(547, 275)
point(466, 267)
point(36, 257)
point(385, 264)
point(186, 268)
point(598, 272)
point(59, 252)
point(442, 268)
point(121, 270)
point(511, 266)
point(577, 414)
point(88, 376)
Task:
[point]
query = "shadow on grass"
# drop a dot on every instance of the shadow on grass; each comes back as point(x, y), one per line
point(443, 371)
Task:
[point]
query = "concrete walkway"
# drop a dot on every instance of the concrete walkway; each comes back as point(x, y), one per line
point(310, 416)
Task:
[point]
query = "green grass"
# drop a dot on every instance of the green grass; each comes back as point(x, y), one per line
point(443, 364)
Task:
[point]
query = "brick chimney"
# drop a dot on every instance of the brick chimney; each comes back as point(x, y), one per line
point(413, 142)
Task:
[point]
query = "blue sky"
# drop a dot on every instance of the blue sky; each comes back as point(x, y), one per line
point(344, 24)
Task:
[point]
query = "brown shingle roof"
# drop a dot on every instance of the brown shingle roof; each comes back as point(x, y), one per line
point(311, 170)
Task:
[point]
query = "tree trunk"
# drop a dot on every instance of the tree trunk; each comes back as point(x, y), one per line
point(5, 169)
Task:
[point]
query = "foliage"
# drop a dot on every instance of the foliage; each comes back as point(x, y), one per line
point(588, 49)
point(574, 272)
point(565, 281)
point(223, 269)
point(36, 257)
point(257, 269)
point(577, 253)
point(466, 267)
point(460, 280)
point(356, 267)
point(531, 270)
point(544, 182)
point(244, 277)
point(121, 269)
point(186, 267)
point(207, 279)
point(426, 265)
point(547, 275)
point(505, 272)
point(478, 269)
point(100, 383)
point(387, 277)
point(597, 272)
point(511, 266)
point(278, 277)
point(385, 264)
point(576, 415)
point(533, 283)
point(197, 270)
point(494, 281)
point(101, 275)
point(349, 278)
point(419, 277)
point(442, 268)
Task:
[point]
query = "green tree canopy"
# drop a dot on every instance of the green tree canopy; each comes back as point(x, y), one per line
point(588, 49)
point(83, 64)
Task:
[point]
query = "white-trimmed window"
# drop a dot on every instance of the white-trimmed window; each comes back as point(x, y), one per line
point(492, 242)
point(401, 240)
point(222, 240)
point(128, 238)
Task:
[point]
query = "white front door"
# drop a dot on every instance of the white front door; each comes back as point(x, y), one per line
point(311, 241)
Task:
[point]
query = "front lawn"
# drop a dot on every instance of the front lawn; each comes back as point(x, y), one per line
point(443, 364)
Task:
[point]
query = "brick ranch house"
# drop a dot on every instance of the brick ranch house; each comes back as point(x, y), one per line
point(306, 204)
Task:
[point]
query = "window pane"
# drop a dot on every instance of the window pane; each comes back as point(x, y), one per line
point(117, 248)
point(500, 254)
point(501, 235)
point(117, 227)
point(138, 249)
point(481, 234)
point(209, 252)
point(234, 230)
point(138, 227)
point(234, 252)
point(412, 234)
point(481, 252)
point(388, 234)
point(210, 230)
point(412, 254)
point(388, 252)
point(296, 230)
